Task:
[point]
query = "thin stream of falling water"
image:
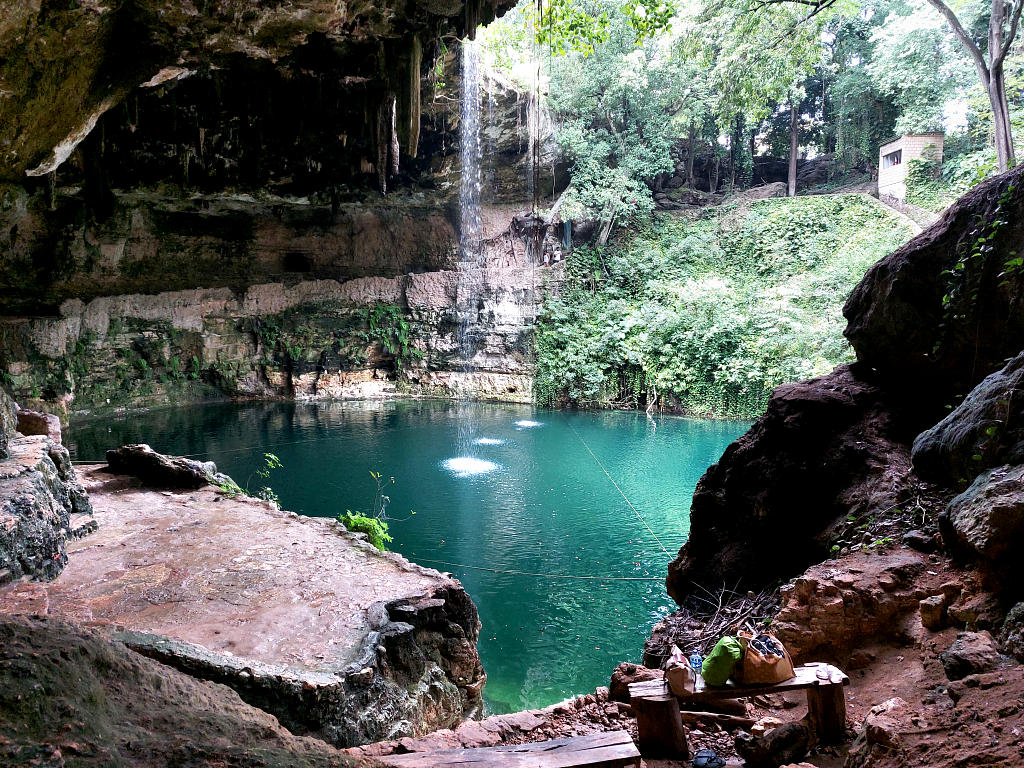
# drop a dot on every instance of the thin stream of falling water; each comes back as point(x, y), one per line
point(468, 296)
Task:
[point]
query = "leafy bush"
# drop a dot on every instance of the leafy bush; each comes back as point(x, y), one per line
point(375, 530)
point(709, 315)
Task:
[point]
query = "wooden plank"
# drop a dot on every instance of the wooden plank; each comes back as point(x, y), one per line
point(807, 676)
point(603, 750)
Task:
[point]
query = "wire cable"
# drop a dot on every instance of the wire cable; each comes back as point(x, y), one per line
point(623, 495)
point(416, 559)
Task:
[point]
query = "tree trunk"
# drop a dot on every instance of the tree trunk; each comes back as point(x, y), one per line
point(794, 147)
point(1001, 128)
point(691, 150)
point(991, 73)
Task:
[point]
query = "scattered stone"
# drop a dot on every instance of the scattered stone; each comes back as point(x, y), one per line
point(157, 470)
point(786, 744)
point(524, 721)
point(919, 540)
point(880, 732)
point(977, 611)
point(971, 653)
point(39, 423)
point(627, 673)
point(765, 724)
point(933, 612)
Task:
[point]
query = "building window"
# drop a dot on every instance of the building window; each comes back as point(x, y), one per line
point(892, 159)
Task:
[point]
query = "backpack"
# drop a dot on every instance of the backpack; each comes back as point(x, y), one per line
point(723, 659)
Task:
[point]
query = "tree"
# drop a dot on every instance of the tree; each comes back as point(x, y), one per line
point(756, 60)
point(1003, 21)
point(1001, 28)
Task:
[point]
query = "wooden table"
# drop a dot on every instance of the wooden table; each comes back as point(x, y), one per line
point(660, 725)
point(601, 750)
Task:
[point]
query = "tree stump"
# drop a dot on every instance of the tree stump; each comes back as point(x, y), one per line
point(826, 711)
point(660, 727)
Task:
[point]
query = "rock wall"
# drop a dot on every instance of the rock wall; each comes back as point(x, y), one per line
point(451, 333)
point(42, 503)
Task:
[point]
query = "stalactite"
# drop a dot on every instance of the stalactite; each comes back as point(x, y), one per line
point(412, 142)
point(406, 80)
point(394, 135)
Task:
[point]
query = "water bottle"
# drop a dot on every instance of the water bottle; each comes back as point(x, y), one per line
point(696, 662)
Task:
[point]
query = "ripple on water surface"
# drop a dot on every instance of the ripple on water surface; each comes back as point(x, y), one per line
point(463, 466)
point(488, 441)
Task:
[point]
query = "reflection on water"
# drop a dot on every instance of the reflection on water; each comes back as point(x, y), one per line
point(519, 535)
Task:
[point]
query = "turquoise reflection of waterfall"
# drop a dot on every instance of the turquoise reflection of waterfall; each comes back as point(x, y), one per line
point(501, 488)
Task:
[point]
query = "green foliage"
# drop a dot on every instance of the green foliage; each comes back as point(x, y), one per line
point(964, 279)
point(389, 327)
point(710, 315)
point(616, 127)
point(375, 530)
point(927, 187)
point(374, 525)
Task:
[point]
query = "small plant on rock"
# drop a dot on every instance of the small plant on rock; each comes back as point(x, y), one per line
point(374, 525)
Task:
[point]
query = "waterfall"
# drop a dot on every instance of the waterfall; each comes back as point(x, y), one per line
point(468, 296)
point(469, 154)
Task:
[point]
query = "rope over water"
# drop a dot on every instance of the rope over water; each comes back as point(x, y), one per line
point(623, 495)
point(541, 575)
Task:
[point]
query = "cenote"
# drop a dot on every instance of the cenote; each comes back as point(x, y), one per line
point(519, 503)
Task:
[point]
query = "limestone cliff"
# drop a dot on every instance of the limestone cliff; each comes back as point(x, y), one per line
point(42, 503)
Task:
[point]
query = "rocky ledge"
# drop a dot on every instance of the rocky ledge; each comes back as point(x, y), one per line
point(42, 504)
point(301, 618)
point(72, 696)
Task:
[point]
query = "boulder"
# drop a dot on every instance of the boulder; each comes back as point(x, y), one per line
point(67, 689)
point(986, 430)
point(986, 522)
point(39, 423)
point(161, 471)
point(837, 605)
point(824, 448)
point(971, 653)
point(627, 673)
point(936, 330)
point(881, 732)
point(786, 744)
point(1012, 634)
point(933, 612)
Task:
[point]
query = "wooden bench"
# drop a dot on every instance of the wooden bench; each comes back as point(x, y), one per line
point(601, 750)
point(659, 723)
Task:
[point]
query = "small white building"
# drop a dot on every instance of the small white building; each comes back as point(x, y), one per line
point(894, 156)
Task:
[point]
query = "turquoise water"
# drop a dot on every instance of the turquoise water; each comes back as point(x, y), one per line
point(504, 488)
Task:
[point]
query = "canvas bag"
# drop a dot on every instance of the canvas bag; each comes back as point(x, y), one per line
point(681, 678)
point(759, 664)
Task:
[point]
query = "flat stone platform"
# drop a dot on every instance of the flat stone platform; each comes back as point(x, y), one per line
point(252, 590)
